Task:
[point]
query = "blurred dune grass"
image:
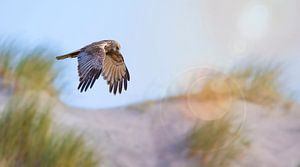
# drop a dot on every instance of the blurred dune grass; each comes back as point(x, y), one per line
point(27, 70)
point(254, 83)
point(215, 143)
point(27, 139)
point(211, 142)
point(27, 135)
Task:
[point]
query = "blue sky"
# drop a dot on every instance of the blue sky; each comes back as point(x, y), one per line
point(160, 38)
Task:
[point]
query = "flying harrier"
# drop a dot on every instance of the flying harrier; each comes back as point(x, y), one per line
point(100, 58)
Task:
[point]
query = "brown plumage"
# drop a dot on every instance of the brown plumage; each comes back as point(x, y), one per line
point(100, 58)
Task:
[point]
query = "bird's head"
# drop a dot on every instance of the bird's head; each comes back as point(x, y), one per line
point(112, 46)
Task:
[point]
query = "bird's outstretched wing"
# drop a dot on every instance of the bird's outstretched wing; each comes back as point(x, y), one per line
point(90, 62)
point(115, 72)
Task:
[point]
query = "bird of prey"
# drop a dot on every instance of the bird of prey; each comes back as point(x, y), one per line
point(100, 58)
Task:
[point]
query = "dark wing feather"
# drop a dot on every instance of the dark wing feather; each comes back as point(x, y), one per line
point(89, 66)
point(115, 72)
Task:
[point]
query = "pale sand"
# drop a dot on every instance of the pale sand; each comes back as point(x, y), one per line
point(155, 137)
point(153, 134)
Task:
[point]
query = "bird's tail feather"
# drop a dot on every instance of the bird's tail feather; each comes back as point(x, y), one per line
point(69, 55)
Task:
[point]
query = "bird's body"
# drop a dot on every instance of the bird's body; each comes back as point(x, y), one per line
point(100, 58)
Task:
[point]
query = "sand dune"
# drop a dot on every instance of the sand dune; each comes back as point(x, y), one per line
point(153, 135)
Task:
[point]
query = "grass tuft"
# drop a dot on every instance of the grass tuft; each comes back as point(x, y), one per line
point(28, 140)
point(30, 71)
point(258, 84)
point(216, 144)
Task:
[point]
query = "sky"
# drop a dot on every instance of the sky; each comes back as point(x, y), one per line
point(161, 39)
